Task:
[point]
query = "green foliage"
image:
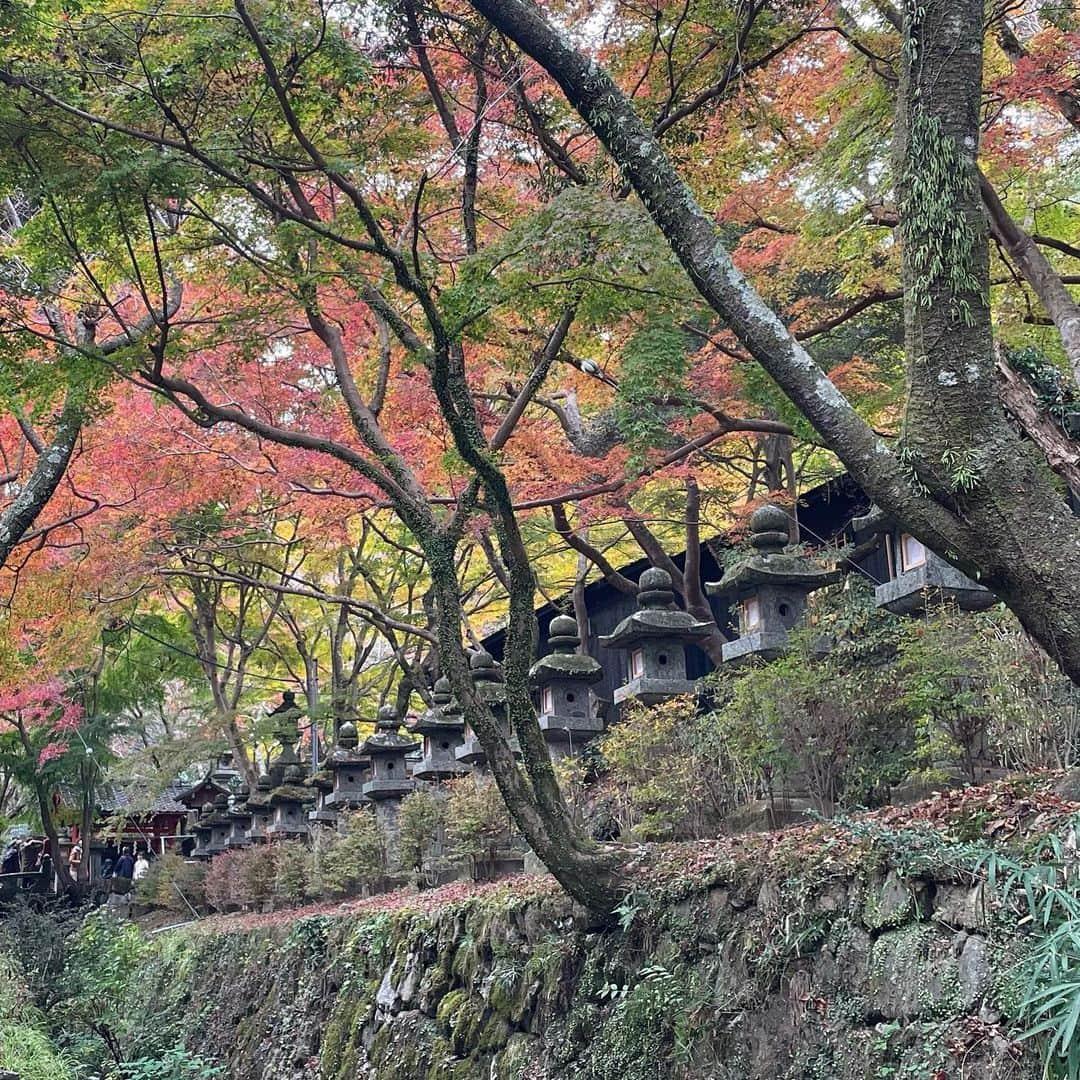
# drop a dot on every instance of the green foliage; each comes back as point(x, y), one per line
point(1053, 387)
point(292, 871)
point(1041, 886)
point(25, 1048)
point(357, 856)
point(889, 698)
point(652, 1026)
point(476, 817)
point(653, 757)
point(174, 1064)
point(419, 821)
point(174, 883)
point(938, 186)
point(655, 365)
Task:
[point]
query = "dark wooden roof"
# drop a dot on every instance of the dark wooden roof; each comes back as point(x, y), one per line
point(825, 514)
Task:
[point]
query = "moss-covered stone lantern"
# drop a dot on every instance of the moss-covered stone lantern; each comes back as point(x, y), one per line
point(289, 802)
point(258, 805)
point(240, 818)
point(220, 825)
point(769, 588)
point(348, 767)
point(918, 577)
point(289, 798)
point(491, 689)
point(443, 731)
point(654, 639)
point(390, 781)
point(387, 749)
point(562, 680)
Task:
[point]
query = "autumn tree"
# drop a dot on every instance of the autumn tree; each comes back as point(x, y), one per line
point(962, 479)
point(422, 289)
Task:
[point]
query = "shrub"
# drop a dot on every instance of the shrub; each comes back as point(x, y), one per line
point(355, 856)
point(255, 875)
point(175, 1064)
point(652, 770)
point(222, 880)
point(292, 870)
point(174, 883)
point(25, 1048)
point(419, 825)
point(477, 821)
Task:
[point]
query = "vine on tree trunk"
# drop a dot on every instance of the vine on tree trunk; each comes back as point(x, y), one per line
point(936, 183)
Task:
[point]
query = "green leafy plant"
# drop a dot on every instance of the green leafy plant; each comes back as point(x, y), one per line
point(174, 1064)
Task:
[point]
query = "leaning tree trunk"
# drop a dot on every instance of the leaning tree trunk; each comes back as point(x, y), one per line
point(1063, 310)
point(49, 470)
point(588, 872)
point(966, 485)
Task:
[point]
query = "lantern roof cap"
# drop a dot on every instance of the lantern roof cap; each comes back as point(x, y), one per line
point(387, 738)
point(770, 564)
point(564, 661)
point(657, 616)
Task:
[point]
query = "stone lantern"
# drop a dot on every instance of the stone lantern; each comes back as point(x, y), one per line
point(220, 825)
point(240, 819)
point(491, 689)
point(563, 678)
point(387, 749)
point(443, 731)
point(655, 638)
point(288, 798)
point(224, 774)
point(201, 830)
point(389, 782)
point(289, 802)
point(258, 805)
point(768, 588)
point(348, 767)
point(918, 577)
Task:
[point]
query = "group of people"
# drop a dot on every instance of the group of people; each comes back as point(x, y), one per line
point(121, 869)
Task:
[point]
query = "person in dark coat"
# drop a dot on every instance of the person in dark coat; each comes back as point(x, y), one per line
point(124, 871)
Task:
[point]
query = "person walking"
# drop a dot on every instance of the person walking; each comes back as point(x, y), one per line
point(142, 866)
point(75, 860)
point(124, 871)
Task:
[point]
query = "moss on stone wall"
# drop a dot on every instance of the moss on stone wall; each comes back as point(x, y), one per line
point(863, 973)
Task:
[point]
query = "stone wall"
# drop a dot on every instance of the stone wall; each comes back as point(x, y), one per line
point(763, 975)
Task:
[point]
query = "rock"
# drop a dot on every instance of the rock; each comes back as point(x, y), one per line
point(912, 971)
point(386, 999)
point(410, 979)
point(974, 971)
point(960, 906)
point(1068, 787)
point(889, 904)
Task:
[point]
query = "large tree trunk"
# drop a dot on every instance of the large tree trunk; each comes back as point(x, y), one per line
point(588, 872)
point(1023, 540)
point(981, 498)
